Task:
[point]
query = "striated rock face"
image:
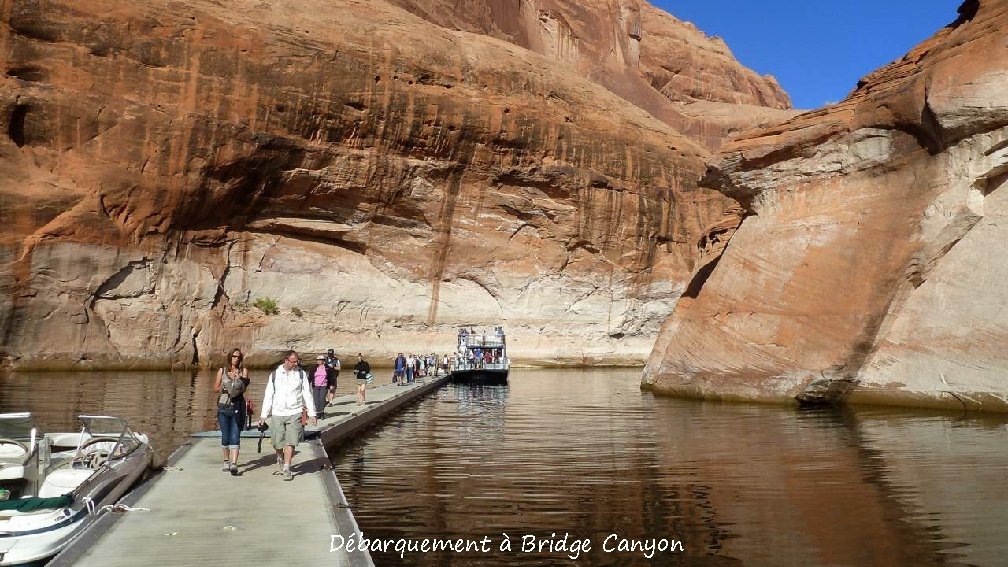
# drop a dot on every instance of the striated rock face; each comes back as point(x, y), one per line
point(669, 68)
point(382, 177)
point(869, 262)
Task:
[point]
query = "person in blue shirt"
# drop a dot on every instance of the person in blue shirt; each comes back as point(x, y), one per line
point(399, 371)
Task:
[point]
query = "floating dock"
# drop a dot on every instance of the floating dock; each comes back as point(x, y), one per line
point(192, 513)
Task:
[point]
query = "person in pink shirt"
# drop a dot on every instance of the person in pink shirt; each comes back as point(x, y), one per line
point(320, 385)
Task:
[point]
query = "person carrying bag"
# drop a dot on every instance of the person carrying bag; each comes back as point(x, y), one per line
point(230, 385)
point(285, 401)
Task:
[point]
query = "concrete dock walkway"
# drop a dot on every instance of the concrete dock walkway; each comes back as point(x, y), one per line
point(192, 513)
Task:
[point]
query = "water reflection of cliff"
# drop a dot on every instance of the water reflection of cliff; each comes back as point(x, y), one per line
point(168, 406)
point(838, 487)
point(588, 454)
point(551, 454)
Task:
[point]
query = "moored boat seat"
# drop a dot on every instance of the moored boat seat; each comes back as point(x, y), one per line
point(63, 481)
point(66, 441)
point(10, 451)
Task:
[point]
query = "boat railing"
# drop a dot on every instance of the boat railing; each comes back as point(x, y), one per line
point(483, 341)
point(499, 364)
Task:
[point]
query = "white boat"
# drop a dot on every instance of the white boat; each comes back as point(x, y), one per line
point(482, 357)
point(54, 485)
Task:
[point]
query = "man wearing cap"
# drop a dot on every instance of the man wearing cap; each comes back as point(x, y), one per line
point(287, 393)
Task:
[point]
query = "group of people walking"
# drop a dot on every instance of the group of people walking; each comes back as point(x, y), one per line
point(407, 368)
point(293, 398)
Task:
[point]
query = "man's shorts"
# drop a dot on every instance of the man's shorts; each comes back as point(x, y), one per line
point(285, 430)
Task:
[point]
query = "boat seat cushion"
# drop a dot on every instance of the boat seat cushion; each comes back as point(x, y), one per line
point(8, 472)
point(63, 481)
point(10, 451)
point(64, 441)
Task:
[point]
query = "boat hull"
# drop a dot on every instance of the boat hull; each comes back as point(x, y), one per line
point(36, 545)
point(498, 377)
point(43, 534)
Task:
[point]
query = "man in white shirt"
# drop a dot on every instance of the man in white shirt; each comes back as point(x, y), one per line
point(287, 391)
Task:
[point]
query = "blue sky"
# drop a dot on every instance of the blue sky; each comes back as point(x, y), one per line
point(817, 50)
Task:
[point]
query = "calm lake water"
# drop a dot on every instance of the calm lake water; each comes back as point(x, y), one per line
point(167, 406)
point(587, 454)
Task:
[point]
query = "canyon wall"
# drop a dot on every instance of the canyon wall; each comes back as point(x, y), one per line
point(635, 50)
point(867, 266)
point(383, 176)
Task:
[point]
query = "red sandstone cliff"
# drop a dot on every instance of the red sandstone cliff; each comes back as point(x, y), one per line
point(669, 68)
point(870, 258)
point(383, 176)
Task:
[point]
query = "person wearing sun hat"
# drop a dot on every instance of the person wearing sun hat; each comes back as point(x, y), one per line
point(320, 385)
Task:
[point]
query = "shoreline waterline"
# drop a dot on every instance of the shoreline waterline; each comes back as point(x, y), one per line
point(948, 402)
point(307, 359)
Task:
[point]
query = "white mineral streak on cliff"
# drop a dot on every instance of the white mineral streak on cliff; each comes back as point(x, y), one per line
point(947, 337)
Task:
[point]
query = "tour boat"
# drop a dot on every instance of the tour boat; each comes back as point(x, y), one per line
point(481, 357)
point(54, 485)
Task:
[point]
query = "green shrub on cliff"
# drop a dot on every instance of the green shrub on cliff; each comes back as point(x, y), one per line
point(267, 305)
